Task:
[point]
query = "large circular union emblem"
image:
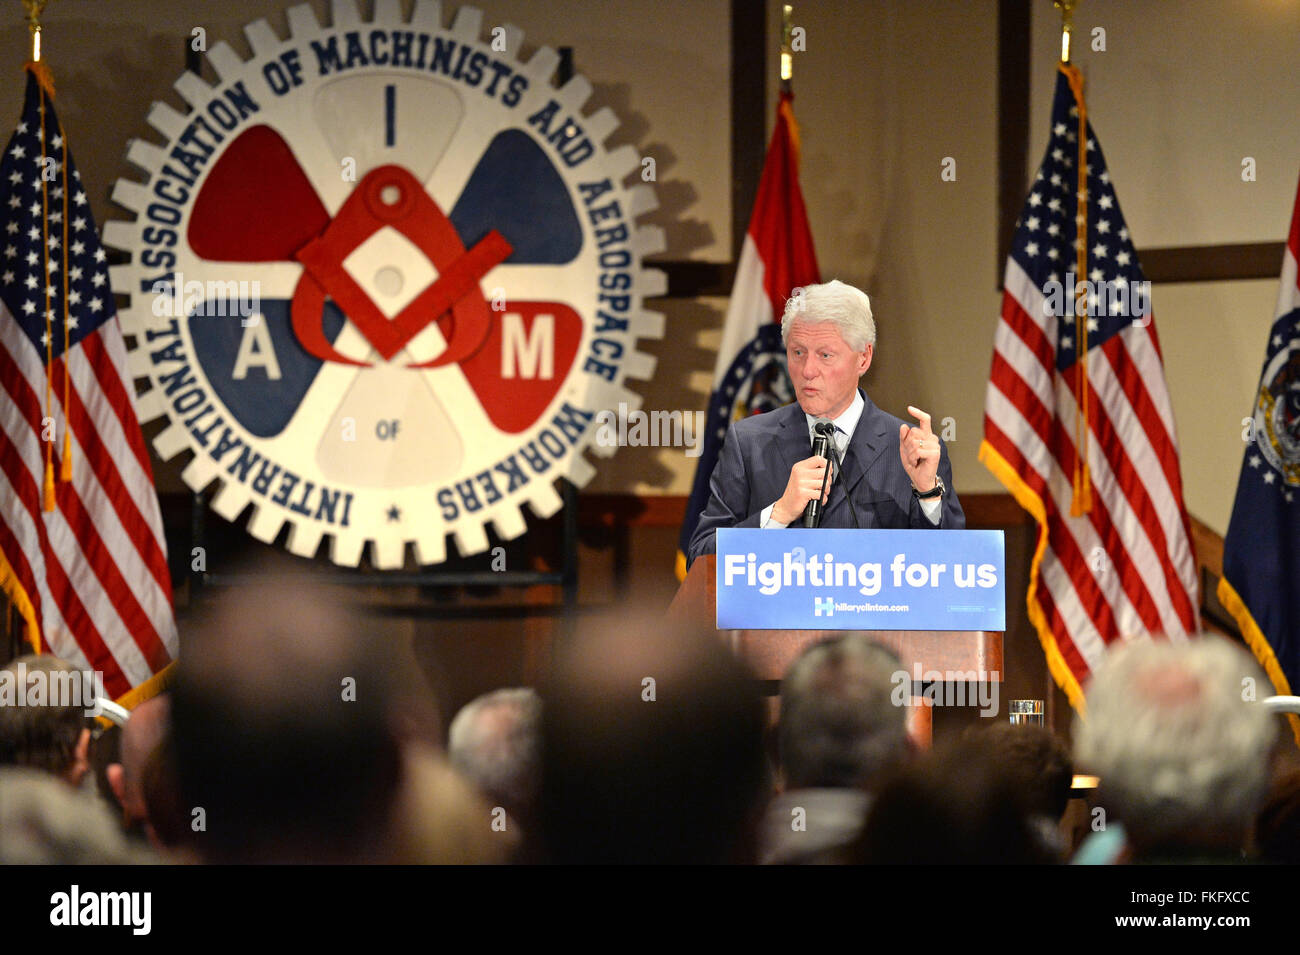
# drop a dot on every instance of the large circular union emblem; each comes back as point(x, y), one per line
point(383, 277)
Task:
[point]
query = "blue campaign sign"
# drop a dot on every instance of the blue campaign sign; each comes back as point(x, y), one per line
point(797, 579)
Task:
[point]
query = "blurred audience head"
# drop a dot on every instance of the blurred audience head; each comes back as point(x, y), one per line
point(45, 822)
point(144, 730)
point(167, 822)
point(495, 742)
point(283, 728)
point(956, 805)
point(1035, 756)
point(652, 748)
point(1181, 748)
point(53, 734)
point(840, 726)
point(1277, 828)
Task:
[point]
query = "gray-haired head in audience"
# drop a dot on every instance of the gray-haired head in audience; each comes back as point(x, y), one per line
point(839, 724)
point(495, 741)
point(1182, 749)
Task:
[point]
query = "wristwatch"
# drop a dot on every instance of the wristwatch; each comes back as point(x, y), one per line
point(933, 492)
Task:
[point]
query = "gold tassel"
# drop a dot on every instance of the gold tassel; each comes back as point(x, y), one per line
point(65, 467)
point(1081, 501)
point(49, 485)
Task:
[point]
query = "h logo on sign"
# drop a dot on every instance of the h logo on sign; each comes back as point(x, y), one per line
point(823, 604)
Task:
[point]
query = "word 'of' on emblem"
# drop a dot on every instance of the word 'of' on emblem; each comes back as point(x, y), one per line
point(365, 183)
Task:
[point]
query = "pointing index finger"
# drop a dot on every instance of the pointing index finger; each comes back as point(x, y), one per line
point(922, 417)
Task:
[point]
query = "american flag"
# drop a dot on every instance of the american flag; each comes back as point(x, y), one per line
point(1077, 419)
point(82, 554)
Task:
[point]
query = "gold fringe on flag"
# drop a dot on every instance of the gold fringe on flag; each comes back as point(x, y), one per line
point(1028, 499)
point(1258, 644)
point(20, 601)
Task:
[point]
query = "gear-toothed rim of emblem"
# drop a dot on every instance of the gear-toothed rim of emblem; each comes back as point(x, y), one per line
point(469, 531)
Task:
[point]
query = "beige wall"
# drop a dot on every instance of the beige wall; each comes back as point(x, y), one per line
point(1183, 92)
point(1213, 336)
point(886, 90)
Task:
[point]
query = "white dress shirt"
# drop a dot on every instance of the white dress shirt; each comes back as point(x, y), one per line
point(932, 507)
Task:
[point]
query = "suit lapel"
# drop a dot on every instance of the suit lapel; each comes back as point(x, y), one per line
point(793, 437)
point(870, 438)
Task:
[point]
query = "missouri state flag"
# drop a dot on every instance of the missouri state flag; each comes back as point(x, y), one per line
point(777, 256)
point(1260, 585)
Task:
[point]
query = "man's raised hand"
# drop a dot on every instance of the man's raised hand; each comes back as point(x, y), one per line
point(919, 449)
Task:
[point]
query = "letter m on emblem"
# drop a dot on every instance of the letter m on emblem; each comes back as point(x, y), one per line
point(527, 353)
point(823, 605)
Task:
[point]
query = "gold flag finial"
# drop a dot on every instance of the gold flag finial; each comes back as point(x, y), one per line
point(1067, 25)
point(34, 10)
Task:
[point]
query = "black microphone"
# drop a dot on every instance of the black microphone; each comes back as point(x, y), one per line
point(839, 469)
point(823, 430)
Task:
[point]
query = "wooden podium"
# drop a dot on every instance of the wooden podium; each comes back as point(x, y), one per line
point(769, 653)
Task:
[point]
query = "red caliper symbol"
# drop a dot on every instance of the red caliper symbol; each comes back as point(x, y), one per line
point(391, 196)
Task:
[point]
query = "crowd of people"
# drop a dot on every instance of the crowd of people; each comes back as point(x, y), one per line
point(291, 736)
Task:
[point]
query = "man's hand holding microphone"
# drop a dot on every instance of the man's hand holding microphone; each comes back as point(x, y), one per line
point(810, 481)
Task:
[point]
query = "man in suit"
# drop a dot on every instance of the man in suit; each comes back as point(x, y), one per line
point(894, 475)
